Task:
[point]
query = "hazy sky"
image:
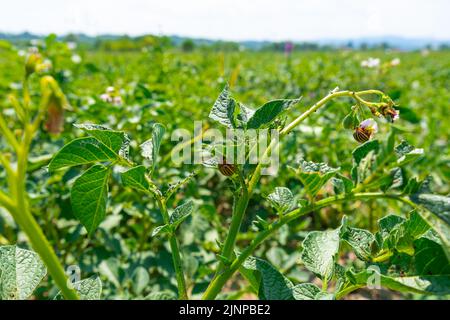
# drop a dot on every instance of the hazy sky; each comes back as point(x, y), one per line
point(232, 19)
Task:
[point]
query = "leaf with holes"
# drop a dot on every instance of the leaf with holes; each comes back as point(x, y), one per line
point(21, 272)
point(314, 175)
point(281, 199)
point(320, 249)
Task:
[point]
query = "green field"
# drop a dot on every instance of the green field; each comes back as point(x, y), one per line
point(393, 190)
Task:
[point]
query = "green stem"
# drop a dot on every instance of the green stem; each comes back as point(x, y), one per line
point(347, 290)
point(175, 249)
point(220, 280)
point(37, 238)
point(223, 274)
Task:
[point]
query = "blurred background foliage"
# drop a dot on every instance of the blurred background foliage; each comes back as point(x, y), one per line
point(177, 84)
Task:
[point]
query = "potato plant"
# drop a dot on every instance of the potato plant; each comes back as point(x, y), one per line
point(404, 250)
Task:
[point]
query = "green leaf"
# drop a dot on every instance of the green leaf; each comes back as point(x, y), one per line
point(363, 150)
point(407, 153)
point(439, 205)
point(314, 175)
point(21, 272)
point(360, 240)
point(342, 184)
point(135, 178)
point(181, 213)
point(438, 285)
point(89, 195)
point(224, 109)
point(272, 284)
point(161, 295)
point(305, 291)
point(150, 148)
point(320, 249)
point(412, 186)
point(110, 269)
point(430, 258)
point(268, 112)
point(113, 139)
point(350, 121)
point(440, 227)
point(160, 230)
point(415, 226)
point(82, 151)
point(141, 280)
point(399, 234)
point(281, 199)
point(87, 289)
point(244, 115)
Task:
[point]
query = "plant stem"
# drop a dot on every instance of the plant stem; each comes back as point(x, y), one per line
point(22, 215)
point(223, 274)
point(219, 281)
point(175, 249)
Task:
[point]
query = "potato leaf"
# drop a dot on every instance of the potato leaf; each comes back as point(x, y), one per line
point(135, 178)
point(89, 195)
point(21, 272)
point(82, 151)
point(87, 289)
point(268, 112)
point(272, 285)
point(150, 148)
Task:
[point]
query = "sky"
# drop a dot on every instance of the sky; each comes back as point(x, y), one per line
point(275, 20)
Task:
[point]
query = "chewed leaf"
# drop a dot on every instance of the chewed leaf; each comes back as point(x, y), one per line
point(21, 271)
point(306, 291)
point(114, 140)
point(268, 112)
point(320, 249)
point(360, 240)
point(135, 178)
point(181, 213)
point(82, 151)
point(224, 109)
point(87, 289)
point(281, 199)
point(150, 148)
point(89, 195)
point(314, 175)
point(272, 284)
point(406, 153)
point(437, 204)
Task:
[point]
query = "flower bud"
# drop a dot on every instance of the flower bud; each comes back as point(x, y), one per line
point(55, 102)
point(389, 113)
point(34, 59)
